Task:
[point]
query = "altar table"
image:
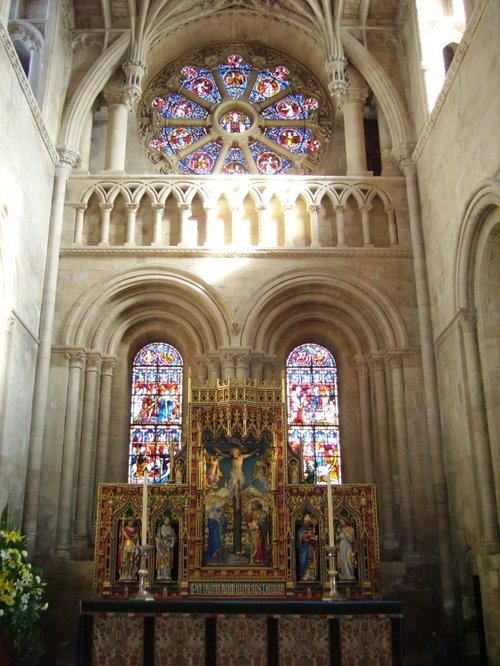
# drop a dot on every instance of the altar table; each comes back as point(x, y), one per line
point(240, 632)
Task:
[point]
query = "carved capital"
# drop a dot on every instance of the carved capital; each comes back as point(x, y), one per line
point(336, 66)
point(352, 96)
point(314, 208)
point(108, 365)
point(394, 361)
point(340, 209)
point(94, 361)
point(134, 71)
point(468, 322)
point(402, 154)
point(76, 359)
point(132, 207)
point(378, 365)
point(68, 157)
point(361, 366)
point(105, 206)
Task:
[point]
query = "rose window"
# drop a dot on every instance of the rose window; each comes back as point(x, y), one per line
point(234, 119)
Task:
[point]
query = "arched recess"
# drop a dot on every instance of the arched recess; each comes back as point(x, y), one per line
point(477, 284)
point(147, 295)
point(378, 324)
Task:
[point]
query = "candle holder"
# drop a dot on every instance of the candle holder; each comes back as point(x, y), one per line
point(331, 557)
point(142, 593)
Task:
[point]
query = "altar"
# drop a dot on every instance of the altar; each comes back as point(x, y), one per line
point(237, 632)
point(238, 558)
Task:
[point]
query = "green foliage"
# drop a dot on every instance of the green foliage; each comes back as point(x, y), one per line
point(21, 591)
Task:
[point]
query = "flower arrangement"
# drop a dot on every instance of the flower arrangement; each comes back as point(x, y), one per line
point(21, 591)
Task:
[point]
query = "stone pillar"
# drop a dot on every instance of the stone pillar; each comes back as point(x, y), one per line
point(84, 499)
point(313, 218)
point(256, 366)
point(391, 221)
point(79, 218)
point(202, 368)
point(68, 159)
point(157, 236)
point(228, 364)
point(189, 235)
point(401, 435)
point(214, 238)
point(102, 453)
point(365, 222)
point(119, 102)
point(384, 455)
point(289, 215)
point(132, 212)
point(262, 221)
point(482, 467)
point(352, 104)
point(76, 361)
point(106, 209)
point(339, 221)
point(402, 155)
point(239, 234)
point(242, 364)
point(361, 366)
point(214, 368)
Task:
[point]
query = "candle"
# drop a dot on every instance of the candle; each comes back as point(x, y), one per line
point(145, 508)
point(331, 541)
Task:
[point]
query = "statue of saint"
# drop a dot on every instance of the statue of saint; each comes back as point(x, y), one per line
point(165, 539)
point(129, 550)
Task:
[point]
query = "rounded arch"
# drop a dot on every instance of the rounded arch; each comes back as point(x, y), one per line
point(482, 202)
point(145, 298)
point(334, 296)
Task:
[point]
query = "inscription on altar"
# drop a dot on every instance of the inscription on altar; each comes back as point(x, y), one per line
point(236, 589)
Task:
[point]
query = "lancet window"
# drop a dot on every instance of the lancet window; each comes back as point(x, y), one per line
point(155, 412)
point(313, 413)
point(234, 118)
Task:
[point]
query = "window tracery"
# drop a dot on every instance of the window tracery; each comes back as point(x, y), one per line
point(236, 116)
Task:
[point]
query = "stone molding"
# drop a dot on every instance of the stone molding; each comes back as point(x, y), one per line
point(253, 252)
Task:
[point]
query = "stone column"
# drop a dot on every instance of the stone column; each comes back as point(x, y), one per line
point(402, 155)
point(79, 218)
point(157, 235)
point(289, 215)
point(256, 366)
point(228, 364)
point(339, 221)
point(108, 365)
point(482, 467)
point(86, 142)
point(106, 209)
point(213, 235)
point(262, 221)
point(384, 455)
point(132, 212)
point(313, 218)
point(239, 235)
point(401, 435)
point(68, 159)
point(84, 499)
point(242, 364)
point(201, 368)
point(214, 368)
point(391, 221)
point(361, 366)
point(365, 222)
point(352, 104)
point(76, 361)
point(188, 234)
point(119, 104)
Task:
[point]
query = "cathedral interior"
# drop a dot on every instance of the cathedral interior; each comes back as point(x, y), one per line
point(249, 254)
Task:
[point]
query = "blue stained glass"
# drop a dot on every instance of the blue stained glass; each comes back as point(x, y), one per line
point(268, 162)
point(291, 107)
point(294, 139)
point(235, 162)
point(175, 139)
point(174, 105)
point(201, 82)
point(269, 83)
point(235, 76)
point(313, 413)
point(202, 161)
point(155, 412)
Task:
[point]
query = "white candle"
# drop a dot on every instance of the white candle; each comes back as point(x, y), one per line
point(331, 541)
point(145, 509)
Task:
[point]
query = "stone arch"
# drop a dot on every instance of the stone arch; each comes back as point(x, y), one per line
point(367, 314)
point(144, 297)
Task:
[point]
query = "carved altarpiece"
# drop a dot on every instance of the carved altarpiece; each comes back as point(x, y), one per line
point(236, 516)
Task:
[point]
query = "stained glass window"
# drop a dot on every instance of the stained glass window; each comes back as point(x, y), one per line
point(155, 413)
point(313, 413)
point(234, 119)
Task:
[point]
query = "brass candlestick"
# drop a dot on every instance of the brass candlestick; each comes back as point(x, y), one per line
point(332, 573)
point(142, 593)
